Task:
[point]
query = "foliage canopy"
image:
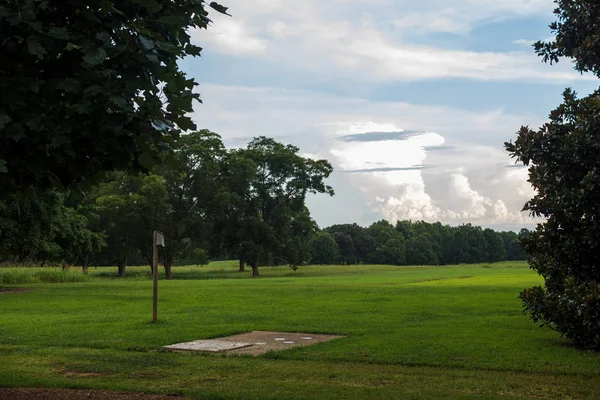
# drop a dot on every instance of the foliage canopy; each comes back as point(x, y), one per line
point(92, 86)
point(564, 168)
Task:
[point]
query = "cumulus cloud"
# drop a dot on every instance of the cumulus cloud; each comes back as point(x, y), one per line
point(456, 202)
point(392, 160)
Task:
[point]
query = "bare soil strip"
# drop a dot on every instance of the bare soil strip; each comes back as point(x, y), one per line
point(76, 394)
point(4, 289)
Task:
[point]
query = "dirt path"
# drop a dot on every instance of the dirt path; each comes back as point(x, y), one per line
point(76, 394)
point(4, 289)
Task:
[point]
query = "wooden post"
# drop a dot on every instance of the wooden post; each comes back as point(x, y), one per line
point(154, 277)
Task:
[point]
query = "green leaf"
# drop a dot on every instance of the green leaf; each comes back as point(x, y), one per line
point(59, 33)
point(146, 43)
point(71, 46)
point(193, 50)
point(3, 169)
point(150, 5)
point(36, 26)
point(35, 48)
point(160, 126)
point(166, 46)
point(95, 56)
point(185, 124)
point(153, 58)
point(93, 90)
point(4, 119)
point(116, 11)
point(70, 85)
point(33, 85)
point(216, 6)
point(60, 140)
point(15, 131)
point(119, 101)
point(106, 6)
point(146, 160)
point(170, 20)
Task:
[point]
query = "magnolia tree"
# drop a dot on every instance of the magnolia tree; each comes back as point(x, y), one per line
point(564, 168)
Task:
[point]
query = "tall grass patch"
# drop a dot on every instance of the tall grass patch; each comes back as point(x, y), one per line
point(21, 276)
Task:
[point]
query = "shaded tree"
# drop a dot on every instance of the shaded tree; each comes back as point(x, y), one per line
point(324, 249)
point(563, 164)
point(512, 246)
point(117, 205)
point(359, 246)
point(92, 86)
point(564, 168)
point(178, 200)
point(419, 251)
point(346, 246)
point(193, 197)
point(37, 227)
point(494, 246)
point(267, 208)
point(389, 244)
point(392, 252)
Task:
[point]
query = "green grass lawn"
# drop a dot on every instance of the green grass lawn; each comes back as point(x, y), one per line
point(411, 333)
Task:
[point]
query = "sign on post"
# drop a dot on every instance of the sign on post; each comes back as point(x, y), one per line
point(160, 239)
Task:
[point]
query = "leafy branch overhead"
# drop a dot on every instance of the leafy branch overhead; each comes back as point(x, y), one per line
point(91, 86)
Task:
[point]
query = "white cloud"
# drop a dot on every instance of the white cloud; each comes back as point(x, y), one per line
point(524, 42)
point(230, 36)
point(461, 16)
point(346, 42)
point(445, 20)
point(468, 181)
point(369, 40)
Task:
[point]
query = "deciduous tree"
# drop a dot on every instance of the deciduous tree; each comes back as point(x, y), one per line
point(324, 249)
point(267, 214)
point(90, 86)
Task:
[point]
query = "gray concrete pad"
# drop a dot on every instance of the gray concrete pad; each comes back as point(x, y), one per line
point(208, 345)
point(253, 343)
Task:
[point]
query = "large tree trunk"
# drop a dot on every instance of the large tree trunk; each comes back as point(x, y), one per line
point(254, 266)
point(86, 263)
point(168, 264)
point(242, 265)
point(122, 264)
point(150, 261)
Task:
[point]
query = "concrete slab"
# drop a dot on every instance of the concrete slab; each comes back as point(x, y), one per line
point(213, 346)
point(254, 343)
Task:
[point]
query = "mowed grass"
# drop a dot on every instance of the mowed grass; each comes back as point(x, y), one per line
point(411, 332)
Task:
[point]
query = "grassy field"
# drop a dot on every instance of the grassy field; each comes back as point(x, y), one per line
point(411, 333)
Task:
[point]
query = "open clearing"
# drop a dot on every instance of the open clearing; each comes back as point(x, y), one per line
point(409, 333)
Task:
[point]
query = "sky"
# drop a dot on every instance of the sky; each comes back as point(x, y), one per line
point(410, 101)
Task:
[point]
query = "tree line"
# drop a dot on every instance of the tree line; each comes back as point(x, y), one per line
point(246, 204)
point(414, 243)
point(212, 203)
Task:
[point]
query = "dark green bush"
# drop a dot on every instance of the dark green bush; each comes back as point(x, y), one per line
point(575, 311)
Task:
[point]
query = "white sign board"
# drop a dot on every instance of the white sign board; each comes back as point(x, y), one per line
point(160, 239)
